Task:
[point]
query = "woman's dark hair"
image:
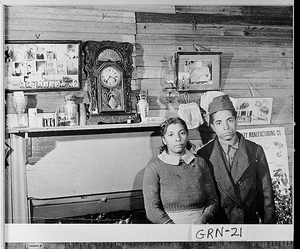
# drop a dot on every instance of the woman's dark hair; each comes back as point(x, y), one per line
point(163, 129)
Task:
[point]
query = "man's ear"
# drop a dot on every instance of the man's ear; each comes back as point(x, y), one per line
point(212, 126)
point(163, 141)
point(236, 120)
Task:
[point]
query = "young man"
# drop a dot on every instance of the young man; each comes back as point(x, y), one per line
point(239, 169)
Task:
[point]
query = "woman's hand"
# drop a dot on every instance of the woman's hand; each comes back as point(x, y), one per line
point(170, 222)
point(204, 218)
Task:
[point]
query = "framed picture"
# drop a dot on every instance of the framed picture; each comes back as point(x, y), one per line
point(254, 111)
point(198, 71)
point(42, 65)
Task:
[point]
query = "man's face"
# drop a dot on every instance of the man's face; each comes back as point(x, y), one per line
point(224, 125)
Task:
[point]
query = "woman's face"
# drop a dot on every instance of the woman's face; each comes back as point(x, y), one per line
point(224, 125)
point(176, 139)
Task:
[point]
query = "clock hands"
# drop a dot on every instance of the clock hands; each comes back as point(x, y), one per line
point(112, 78)
point(108, 79)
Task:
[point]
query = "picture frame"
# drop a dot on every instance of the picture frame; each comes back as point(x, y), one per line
point(254, 111)
point(198, 71)
point(45, 65)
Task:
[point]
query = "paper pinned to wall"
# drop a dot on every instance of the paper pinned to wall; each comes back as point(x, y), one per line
point(191, 114)
point(273, 141)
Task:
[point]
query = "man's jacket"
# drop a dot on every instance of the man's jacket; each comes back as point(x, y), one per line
point(246, 197)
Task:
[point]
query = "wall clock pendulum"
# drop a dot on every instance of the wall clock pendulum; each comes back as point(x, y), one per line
point(108, 65)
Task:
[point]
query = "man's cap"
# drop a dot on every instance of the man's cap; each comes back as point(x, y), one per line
point(220, 103)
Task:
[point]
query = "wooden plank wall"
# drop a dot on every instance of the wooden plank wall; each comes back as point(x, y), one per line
point(256, 45)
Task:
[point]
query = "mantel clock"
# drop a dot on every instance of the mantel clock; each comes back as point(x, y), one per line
point(108, 65)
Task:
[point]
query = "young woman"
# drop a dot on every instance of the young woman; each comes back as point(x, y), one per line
point(178, 187)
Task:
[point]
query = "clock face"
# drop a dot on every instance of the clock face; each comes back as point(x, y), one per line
point(110, 76)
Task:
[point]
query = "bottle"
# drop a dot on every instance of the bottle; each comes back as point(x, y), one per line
point(168, 73)
point(143, 107)
point(71, 110)
point(82, 114)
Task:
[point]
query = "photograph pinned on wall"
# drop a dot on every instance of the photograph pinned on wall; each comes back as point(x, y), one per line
point(42, 65)
point(30, 68)
point(254, 111)
point(198, 71)
point(72, 51)
point(40, 53)
point(51, 52)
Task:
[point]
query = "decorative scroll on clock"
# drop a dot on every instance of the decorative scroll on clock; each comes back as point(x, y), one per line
point(108, 65)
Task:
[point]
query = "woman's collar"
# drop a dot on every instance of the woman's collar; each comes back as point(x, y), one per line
point(175, 160)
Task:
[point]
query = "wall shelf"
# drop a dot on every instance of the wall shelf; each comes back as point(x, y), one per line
point(82, 129)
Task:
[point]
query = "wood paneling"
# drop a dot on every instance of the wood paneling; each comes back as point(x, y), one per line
point(80, 23)
point(259, 11)
point(251, 15)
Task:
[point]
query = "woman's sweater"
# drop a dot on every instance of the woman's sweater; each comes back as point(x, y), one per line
point(185, 186)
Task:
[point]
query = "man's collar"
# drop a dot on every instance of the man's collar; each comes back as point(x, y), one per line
point(234, 143)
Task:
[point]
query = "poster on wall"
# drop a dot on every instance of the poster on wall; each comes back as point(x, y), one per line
point(273, 142)
point(42, 65)
point(254, 111)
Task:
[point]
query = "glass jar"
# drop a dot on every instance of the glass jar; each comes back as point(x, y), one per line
point(169, 95)
point(71, 110)
point(143, 106)
point(168, 73)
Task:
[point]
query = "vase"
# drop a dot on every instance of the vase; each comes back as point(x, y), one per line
point(169, 95)
point(71, 111)
point(19, 103)
point(143, 106)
